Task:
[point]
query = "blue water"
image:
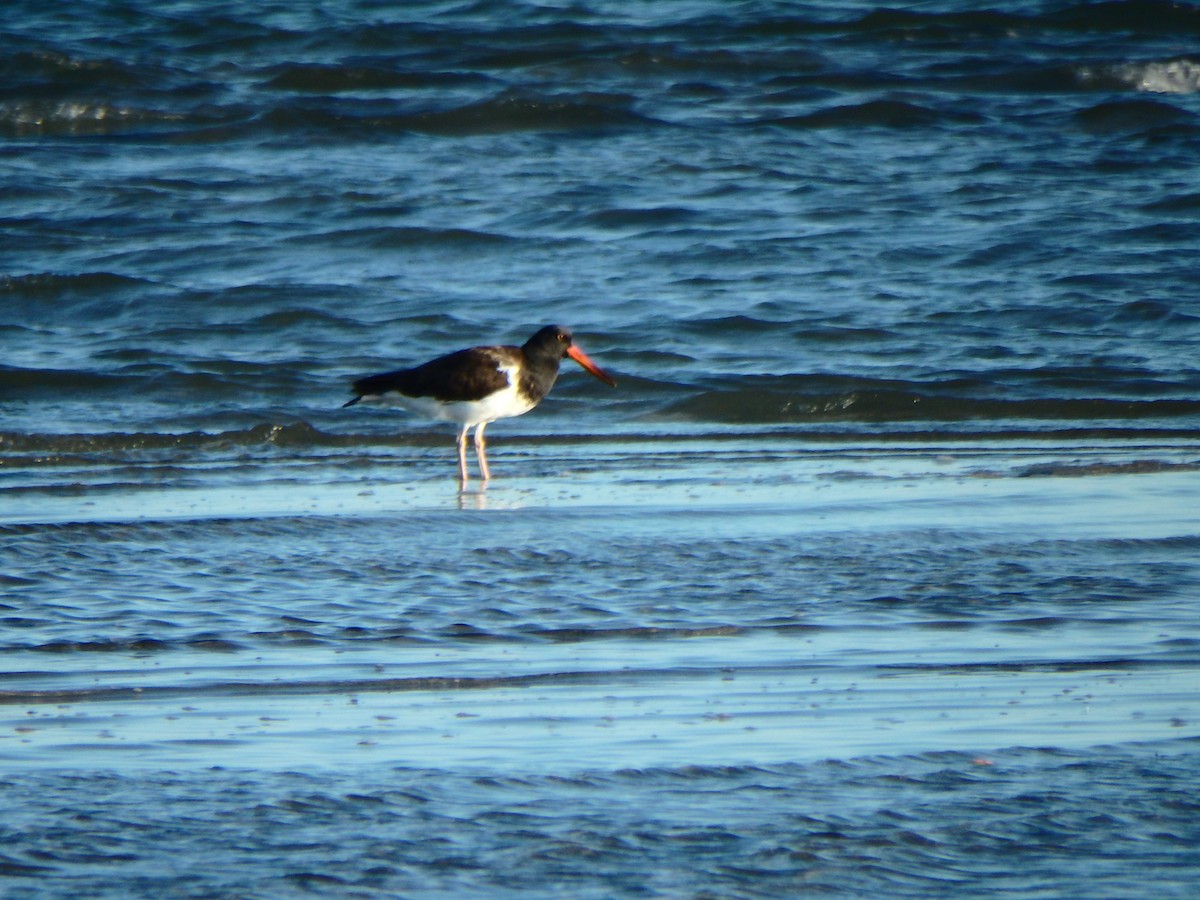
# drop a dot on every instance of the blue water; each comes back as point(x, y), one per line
point(876, 576)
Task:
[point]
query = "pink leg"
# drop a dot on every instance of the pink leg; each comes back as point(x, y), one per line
point(462, 456)
point(481, 451)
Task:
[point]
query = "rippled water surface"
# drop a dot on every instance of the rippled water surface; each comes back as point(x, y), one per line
point(875, 576)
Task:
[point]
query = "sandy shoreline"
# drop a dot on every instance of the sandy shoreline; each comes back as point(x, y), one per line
point(734, 695)
point(632, 716)
point(1153, 490)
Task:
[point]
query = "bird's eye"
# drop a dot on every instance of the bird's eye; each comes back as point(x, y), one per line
point(562, 337)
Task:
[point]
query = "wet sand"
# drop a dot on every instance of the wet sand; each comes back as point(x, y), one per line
point(709, 691)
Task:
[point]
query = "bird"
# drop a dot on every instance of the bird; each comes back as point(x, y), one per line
point(476, 386)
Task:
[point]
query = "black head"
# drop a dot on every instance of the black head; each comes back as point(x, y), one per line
point(555, 342)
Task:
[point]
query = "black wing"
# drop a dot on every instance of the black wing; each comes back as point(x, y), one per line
point(460, 376)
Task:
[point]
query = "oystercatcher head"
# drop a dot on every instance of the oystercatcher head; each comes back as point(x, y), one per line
point(479, 385)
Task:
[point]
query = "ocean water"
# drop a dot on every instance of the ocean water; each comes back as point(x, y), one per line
point(877, 574)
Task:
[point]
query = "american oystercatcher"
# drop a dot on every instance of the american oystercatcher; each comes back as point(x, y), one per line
point(476, 386)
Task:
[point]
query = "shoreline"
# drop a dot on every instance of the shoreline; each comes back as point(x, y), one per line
point(825, 685)
point(637, 476)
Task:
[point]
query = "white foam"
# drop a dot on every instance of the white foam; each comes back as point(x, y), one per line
point(1176, 76)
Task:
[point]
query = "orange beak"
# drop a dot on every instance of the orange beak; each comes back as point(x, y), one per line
point(582, 358)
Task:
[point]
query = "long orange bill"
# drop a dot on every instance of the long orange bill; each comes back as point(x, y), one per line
point(582, 358)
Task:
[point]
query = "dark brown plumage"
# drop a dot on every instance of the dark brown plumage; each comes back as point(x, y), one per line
point(479, 385)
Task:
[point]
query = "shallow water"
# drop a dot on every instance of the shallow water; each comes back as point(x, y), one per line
point(876, 575)
point(389, 687)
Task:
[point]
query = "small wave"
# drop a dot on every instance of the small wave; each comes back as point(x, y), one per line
point(803, 399)
point(11, 696)
point(874, 113)
point(645, 217)
point(913, 25)
point(1133, 116)
point(40, 285)
point(1152, 312)
point(1127, 16)
point(516, 111)
point(298, 434)
point(740, 324)
point(69, 118)
point(1180, 204)
point(385, 237)
point(1113, 16)
point(1081, 470)
point(334, 78)
point(145, 378)
point(575, 635)
point(49, 72)
point(509, 112)
point(16, 382)
point(298, 317)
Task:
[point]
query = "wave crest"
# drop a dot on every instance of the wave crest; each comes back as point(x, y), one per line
point(1172, 76)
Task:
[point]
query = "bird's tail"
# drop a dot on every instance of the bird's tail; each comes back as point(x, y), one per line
point(351, 402)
